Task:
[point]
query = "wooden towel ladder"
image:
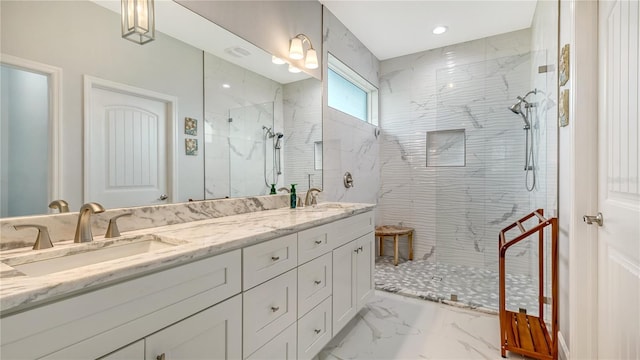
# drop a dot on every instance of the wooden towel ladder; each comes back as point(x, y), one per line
point(527, 334)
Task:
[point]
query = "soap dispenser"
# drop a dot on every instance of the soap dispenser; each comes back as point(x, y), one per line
point(292, 196)
point(273, 189)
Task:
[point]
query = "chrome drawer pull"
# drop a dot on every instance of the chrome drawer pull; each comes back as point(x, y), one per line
point(318, 242)
point(317, 282)
point(275, 258)
point(275, 308)
point(317, 331)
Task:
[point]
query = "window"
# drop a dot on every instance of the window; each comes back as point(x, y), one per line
point(351, 93)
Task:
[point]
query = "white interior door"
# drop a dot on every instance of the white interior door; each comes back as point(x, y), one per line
point(127, 155)
point(618, 183)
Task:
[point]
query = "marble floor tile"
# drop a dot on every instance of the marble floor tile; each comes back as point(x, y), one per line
point(397, 327)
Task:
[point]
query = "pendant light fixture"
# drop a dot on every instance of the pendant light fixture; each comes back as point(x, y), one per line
point(138, 21)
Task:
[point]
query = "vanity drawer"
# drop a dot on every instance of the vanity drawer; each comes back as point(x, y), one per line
point(268, 309)
point(282, 347)
point(314, 330)
point(314, 283)
point(269, 259)
point(313, 243)
point(350, 228)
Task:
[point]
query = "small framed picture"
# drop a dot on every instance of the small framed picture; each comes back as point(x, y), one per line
point(191, 147)
point(190, 126)
point(564, 65)
point(564, 108)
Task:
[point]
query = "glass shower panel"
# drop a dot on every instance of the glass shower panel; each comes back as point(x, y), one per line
point(476, 200)
point(250, 150)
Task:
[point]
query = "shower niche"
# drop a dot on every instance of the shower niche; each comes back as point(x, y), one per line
point(446, 148)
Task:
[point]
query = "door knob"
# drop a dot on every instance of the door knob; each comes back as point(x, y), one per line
point(163, 197)
point(590, 219)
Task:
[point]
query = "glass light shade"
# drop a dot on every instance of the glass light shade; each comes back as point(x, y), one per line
point(293, 69)
point(295, 49)
point(311, 61)
point(138, 21)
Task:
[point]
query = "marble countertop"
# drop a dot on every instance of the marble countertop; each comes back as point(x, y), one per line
point(188, 242)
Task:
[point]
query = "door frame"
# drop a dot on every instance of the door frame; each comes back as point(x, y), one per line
point(90, 83)
point(583, 192)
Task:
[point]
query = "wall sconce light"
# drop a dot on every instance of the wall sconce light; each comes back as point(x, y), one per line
point(138, 21)
point(296, 51)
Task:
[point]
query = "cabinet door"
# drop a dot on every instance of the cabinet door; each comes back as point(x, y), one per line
point(282, 347)
point(130, 352)
point(214, 333)
point(364, 272)
point(344, 285)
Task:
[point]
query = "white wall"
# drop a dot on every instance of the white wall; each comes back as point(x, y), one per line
point(84, 38)
point(349, 143)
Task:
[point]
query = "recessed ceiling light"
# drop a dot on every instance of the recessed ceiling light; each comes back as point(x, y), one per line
point(294, 69)
point(276, 60)
point(226, 86)
point(440, 29)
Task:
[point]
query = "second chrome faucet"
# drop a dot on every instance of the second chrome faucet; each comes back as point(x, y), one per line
point(83, 230)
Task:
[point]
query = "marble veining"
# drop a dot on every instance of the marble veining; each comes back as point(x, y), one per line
point(201, 239)
point(62, 226)
point(397, 327)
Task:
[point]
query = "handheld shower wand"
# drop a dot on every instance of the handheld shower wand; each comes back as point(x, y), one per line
point(278, 144)
point(529, 161)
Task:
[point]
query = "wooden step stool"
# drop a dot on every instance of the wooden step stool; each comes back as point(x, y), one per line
point(396, 232)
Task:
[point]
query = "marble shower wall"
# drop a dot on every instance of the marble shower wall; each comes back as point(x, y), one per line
point(250, 98)
point(349, 144)
point(302, 129)
point(456, 211)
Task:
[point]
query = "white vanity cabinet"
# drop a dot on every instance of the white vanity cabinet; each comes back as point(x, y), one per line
point(214, 333)
point(352, 279)
point(283, 298)
point(90, 325)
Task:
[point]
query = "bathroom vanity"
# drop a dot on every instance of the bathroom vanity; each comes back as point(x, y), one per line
point(273, 284)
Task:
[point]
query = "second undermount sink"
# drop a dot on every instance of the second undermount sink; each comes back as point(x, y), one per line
point(328, 206)
point(79, 255)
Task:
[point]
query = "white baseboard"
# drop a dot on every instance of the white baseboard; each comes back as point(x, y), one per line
point(563, 349)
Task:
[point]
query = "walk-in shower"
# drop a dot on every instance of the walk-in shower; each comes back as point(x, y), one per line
point(529, 160)
point(276, 166)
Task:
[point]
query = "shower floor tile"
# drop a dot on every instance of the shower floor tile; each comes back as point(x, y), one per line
point(475, 288)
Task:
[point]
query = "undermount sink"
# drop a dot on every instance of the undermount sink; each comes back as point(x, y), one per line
point(78, 255)
point(327, 206)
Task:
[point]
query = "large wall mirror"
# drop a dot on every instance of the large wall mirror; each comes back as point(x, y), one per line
point(230, 124)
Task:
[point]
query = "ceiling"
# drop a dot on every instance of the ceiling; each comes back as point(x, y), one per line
point(395, 28)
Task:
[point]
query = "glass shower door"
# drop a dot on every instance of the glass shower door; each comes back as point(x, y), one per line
point(249, 150)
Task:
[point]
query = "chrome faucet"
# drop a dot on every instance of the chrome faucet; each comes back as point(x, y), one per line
point(284, 189)
point(313, 200)
point(83, 230)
